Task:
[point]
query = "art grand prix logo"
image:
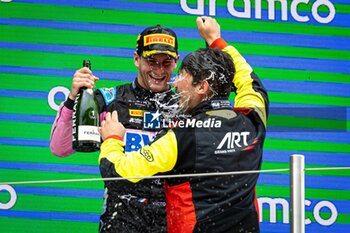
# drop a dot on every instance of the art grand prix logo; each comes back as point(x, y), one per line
point(232, 141)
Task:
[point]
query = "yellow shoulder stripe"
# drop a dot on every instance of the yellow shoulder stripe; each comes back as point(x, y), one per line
point(246, 96)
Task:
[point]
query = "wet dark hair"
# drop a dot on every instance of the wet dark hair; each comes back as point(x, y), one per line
point(212, 65)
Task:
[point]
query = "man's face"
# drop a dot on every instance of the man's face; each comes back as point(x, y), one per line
point(188, 93)
point(154, 72)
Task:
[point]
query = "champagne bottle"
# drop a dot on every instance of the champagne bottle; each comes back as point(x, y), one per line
point(86, 119)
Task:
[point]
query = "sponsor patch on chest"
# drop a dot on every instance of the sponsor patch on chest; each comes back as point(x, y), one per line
point(135, 139)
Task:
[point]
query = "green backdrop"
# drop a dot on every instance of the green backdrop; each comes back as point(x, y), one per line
point(301, 51)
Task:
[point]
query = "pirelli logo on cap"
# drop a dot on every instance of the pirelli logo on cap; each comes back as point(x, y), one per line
point(159, 39)
point(136, 112)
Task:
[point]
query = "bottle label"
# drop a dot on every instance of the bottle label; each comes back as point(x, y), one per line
point(74, 118)
point(88, 133)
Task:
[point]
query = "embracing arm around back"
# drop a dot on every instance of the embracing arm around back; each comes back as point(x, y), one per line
point(159, 156)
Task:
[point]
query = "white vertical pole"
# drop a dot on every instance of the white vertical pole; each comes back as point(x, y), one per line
point(297, 194)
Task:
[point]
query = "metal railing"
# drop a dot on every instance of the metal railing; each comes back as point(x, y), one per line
point(297, 185)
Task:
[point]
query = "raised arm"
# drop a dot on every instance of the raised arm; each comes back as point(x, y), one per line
point(250, 93)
